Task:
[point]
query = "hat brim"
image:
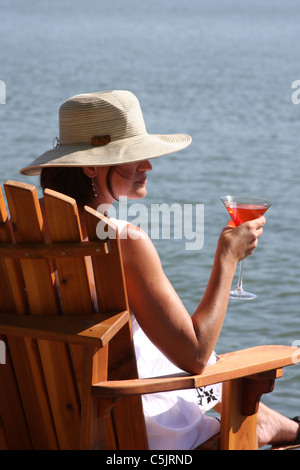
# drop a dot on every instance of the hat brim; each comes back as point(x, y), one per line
point(133, 149)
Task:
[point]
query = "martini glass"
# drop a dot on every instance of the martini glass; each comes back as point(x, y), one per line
point(241, 209)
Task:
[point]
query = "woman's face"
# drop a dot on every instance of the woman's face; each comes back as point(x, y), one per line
point(129, 180)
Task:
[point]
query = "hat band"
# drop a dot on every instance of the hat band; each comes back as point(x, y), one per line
point(100, 140)
point(96, 141)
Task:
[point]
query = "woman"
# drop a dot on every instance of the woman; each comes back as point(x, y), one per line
point(103, 153)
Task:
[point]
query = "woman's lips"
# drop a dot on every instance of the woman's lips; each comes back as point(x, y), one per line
point(141, 181)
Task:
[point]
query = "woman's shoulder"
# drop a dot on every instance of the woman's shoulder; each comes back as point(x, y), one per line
point(121, 224)
point(129, 231)
point(136, 245)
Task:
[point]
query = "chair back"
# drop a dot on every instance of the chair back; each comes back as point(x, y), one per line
point(64, 325)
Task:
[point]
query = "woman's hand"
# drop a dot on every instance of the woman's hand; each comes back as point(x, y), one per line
point(236, 243)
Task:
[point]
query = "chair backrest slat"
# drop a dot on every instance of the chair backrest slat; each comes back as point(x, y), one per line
point(108, 272)
point(12, 292)
point(64, 225)
point(13, 425)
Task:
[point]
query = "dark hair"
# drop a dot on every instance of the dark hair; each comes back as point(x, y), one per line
point(73, 182)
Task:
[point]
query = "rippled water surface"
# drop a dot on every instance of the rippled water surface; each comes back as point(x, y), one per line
point(221, 71)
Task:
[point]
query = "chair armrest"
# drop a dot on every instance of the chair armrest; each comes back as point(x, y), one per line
point(233, 365)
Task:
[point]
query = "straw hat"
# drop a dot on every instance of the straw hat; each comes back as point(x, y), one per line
point(105, 128)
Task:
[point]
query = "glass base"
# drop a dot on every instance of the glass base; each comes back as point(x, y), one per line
point(241, 294)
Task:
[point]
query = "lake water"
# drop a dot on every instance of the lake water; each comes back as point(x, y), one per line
point(219, 70)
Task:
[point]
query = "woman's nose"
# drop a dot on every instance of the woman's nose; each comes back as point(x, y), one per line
point(145, 165)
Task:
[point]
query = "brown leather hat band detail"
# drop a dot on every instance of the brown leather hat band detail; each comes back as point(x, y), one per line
point(100, 140)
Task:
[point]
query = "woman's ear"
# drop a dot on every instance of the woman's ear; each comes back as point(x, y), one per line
point(90, 171)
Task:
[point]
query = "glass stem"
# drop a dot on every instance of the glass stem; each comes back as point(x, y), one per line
point(240, 280)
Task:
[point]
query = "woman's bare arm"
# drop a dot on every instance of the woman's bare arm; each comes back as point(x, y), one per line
point(187, 340)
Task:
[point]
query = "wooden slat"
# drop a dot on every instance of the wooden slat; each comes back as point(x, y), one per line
point(108, 273)
point(93, 330)
point(43, 299)
point(64, 226)
point(14, 433)
point(131, 433)
point(92, 434)
point(31, 383)
point(238, 432)
point(12, 291)
point(3, 440)
point(53, 250)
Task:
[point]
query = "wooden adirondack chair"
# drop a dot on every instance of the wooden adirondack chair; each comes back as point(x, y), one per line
point(69, 380)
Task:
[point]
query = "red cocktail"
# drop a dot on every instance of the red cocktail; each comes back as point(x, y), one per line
point(240, 213)
point(243, 209)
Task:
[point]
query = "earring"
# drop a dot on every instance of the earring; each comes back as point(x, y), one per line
point(93, 188)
